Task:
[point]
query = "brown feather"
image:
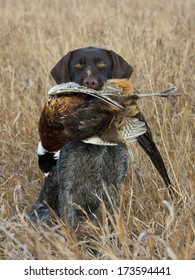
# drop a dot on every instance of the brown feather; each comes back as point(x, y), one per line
point(79, 116)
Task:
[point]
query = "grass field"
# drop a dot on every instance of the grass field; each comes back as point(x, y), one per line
point(156, 38)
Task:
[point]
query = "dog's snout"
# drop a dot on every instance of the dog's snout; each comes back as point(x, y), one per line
point(91, 82)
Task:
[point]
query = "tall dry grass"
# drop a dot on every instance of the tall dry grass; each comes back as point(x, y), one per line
point(156, 37)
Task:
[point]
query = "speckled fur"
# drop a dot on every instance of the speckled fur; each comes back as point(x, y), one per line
point(77, 184)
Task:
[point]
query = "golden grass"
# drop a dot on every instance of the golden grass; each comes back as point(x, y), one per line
point(156, 37)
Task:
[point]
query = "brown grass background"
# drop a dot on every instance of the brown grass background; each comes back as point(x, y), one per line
point(156, 37)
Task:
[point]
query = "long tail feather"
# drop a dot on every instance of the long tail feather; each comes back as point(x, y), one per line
point(148, 145)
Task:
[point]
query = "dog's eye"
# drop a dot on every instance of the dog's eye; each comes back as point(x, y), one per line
point(101, 64)
point(78, 65)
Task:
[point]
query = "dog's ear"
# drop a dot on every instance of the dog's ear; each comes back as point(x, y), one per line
point(121, 68)
point(60, 72)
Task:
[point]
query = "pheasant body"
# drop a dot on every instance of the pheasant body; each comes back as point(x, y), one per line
point(78, 116)
point(66, 118)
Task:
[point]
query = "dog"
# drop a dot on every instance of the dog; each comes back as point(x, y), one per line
point(85, 175)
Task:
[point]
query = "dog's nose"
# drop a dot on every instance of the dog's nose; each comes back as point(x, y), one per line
point(91, 82)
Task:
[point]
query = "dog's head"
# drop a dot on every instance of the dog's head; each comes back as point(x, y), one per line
point(90, 67)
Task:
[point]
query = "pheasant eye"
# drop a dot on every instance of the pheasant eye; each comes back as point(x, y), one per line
point(78, 65)
point(101, 64)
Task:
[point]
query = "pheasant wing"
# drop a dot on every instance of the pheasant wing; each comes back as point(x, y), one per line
point(72, 88)
point(132, 129)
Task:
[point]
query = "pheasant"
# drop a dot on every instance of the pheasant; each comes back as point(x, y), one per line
point(107, 117)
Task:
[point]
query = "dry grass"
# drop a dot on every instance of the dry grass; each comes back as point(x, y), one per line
point(156, 37)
